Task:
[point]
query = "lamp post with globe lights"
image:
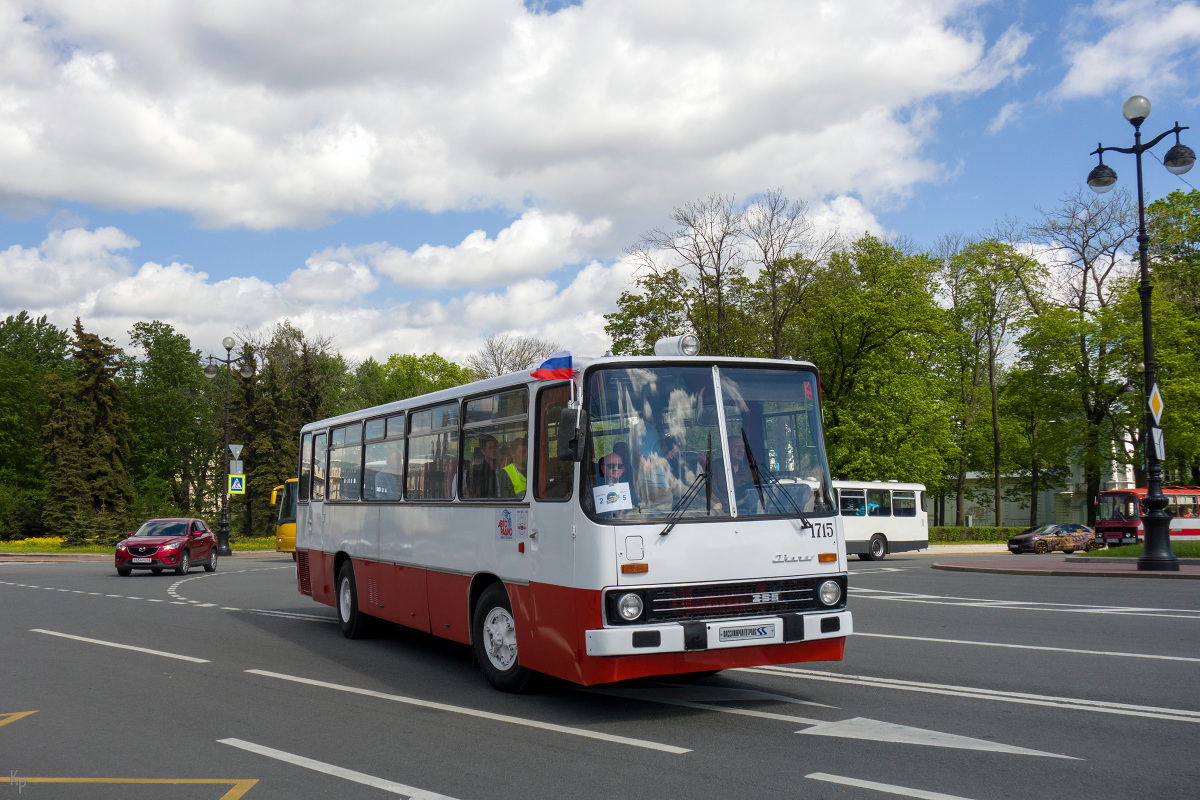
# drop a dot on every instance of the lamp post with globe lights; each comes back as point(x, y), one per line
point(211, 371)
point(1156, 552)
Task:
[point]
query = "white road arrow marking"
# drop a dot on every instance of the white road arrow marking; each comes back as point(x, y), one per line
point(876, 731)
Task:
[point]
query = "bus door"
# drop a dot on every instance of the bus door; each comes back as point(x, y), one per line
point(322, 575)
point(550, 545)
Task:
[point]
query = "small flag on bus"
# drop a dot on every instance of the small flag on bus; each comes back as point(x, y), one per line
point(557, 366)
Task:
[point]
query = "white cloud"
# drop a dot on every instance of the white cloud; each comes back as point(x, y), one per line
point(534, 244)
point(267, 114)
point(1008, 113)
point(72, 262)
point(75, 273)
point(1148, 44)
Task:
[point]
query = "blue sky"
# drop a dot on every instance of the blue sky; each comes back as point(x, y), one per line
point(417, 177)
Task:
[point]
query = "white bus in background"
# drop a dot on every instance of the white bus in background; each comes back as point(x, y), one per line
point(881, 517)
point(494, 514)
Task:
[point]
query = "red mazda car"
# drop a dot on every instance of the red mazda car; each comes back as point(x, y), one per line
point(168, 544)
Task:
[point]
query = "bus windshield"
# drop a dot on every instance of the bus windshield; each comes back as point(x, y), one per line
point(656, 449)
point(287, 503)
point(1119, 508)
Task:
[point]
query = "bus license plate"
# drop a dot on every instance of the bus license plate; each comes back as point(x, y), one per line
point(142, 560)
point(748, 632)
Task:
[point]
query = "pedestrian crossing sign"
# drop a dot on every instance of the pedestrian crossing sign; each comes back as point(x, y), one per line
point(237, 484)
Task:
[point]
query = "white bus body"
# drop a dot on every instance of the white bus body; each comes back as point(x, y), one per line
point(881, 517)
point(750, 573)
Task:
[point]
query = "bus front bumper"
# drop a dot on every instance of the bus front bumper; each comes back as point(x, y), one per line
point(678, 637)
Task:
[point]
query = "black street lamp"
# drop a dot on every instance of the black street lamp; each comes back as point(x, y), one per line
point(1156, 552)
point(211, 371)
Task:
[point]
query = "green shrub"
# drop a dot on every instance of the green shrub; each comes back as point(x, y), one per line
point(978, 534)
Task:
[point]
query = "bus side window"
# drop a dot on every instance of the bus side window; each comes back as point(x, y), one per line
point(853, 502)
point(305, 465)
point(904, 504)
point(1187, 506)
point(432, 453)
point(552, 478)
point(879, 503)
point(318, 468)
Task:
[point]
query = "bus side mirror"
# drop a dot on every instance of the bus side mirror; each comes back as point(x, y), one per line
point(274, 496)
point(570, 437)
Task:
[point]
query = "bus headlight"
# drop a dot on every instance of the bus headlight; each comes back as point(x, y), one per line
point(629, 606)
point(830, 592)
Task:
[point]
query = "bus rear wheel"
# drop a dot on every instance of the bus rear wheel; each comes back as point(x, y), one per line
point(494, 637)
point(352, 621)
point(876, 548)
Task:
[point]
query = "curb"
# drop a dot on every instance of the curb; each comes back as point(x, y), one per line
point(1121, 560)
point(1069, 573)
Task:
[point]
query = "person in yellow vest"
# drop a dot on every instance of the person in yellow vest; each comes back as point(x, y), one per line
point(512, 477)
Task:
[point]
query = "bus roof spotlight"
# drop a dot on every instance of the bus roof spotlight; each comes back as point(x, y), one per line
point(686, 345)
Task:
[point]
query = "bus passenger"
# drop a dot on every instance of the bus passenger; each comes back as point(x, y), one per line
point(387, 480)
point(745, 491)
point(512, 477)
point(481, 474)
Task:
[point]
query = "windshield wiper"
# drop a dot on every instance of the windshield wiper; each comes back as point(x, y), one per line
point(681, 506)
point(765, 479)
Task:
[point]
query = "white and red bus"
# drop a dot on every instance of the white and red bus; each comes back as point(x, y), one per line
point(654, 515)
point(1119, 520)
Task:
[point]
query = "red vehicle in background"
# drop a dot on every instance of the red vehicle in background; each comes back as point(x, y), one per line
point(1119, 520)
point(175, 544)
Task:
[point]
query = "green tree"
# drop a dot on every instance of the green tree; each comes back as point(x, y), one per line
point(875, 332)
point(173, 421)
point(1173, 224)
point(1086, 241)
point(30, 350)
point(87, 445)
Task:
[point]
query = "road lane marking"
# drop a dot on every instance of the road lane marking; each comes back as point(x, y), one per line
point(472, 712)
point(903, 791)
point(1068, 703)
point(1030, 647)
point(704, 698)
point(122, 646)
point(336, 771)
point(1023, 605)
point(873, 730)
point(238, 786)
point(291, 615)
point(13, 716)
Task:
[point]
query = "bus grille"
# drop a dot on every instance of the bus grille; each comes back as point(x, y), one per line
point(302, 571)
point(756, 599)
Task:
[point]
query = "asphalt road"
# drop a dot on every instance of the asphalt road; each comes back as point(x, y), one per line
point(955, 685)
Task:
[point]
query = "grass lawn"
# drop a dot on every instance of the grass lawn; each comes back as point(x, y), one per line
point(53, 544)
point(1181, 550)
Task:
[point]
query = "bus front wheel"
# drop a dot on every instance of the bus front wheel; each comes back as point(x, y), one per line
point(352, 621)
point(494, 637)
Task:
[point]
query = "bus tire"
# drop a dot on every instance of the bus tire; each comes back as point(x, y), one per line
point(352, 621)
point(494, 638)
point(876, 548)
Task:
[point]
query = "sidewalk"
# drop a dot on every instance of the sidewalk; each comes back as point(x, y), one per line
point(67, 558)
point(962, 547)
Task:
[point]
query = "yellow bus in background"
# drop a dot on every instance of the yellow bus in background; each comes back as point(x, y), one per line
point(285, 525)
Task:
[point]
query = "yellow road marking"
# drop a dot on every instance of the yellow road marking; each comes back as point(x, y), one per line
point(14, 716)
point(238, 786)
